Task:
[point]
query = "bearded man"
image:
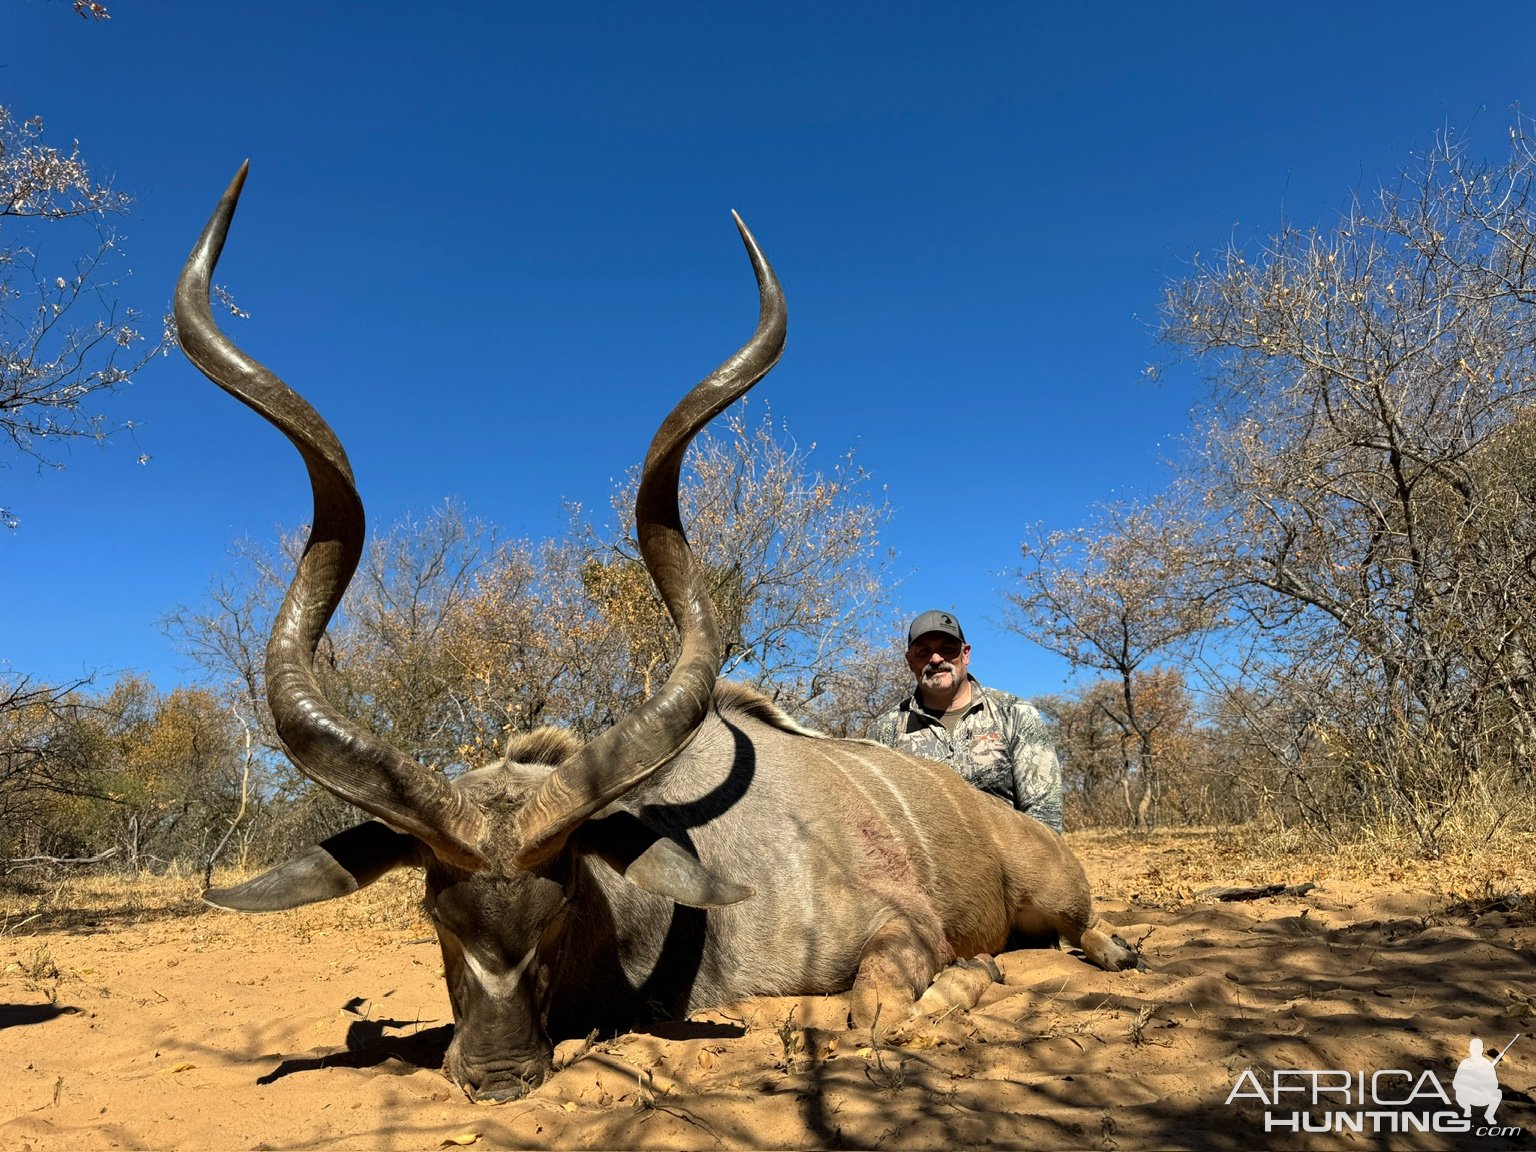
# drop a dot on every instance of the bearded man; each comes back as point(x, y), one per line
point(996, 741)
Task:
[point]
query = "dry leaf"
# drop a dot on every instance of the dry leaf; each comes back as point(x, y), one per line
point(461, 1140)
point(569, 1105)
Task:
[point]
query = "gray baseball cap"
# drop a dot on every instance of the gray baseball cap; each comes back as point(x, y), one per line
point(935, 621)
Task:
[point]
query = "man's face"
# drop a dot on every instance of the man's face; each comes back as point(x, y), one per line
point(939, 661)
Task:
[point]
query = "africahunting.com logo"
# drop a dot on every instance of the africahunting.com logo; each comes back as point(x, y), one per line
point(1391, 1100)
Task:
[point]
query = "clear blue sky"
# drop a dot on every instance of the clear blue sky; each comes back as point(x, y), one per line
point(491, 242)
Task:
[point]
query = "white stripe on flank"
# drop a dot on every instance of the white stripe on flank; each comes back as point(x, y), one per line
point(872, 772)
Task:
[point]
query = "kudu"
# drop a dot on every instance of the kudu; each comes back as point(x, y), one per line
point(704, 849)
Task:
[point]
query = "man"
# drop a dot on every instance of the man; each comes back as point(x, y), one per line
point(996, 741)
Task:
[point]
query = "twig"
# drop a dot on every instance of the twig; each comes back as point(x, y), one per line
point(1257, 891)
point(39, 861)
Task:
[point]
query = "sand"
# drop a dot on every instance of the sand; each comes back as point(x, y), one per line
point(325, 1028)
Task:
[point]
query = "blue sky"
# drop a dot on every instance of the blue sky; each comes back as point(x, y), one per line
point(492, 244)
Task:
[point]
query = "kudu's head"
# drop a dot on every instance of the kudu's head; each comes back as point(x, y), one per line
point(499, 845)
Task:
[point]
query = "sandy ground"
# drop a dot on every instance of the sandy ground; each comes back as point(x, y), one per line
point(325, 1028)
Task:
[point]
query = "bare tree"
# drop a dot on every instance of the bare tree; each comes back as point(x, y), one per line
point(1134, 586)
point(403, 655)
point(247, 761)
point(1102, 751)
point(798, 577)
point(450, 639)
point(64, 340)
point(1363, 455)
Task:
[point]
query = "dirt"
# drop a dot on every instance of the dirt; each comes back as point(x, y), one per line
point(325, 1028)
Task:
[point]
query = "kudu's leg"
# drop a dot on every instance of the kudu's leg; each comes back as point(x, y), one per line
point(1076, 924)
point(898, 963)
point(1109, 952)
point(960, 986)
point(1052, 896)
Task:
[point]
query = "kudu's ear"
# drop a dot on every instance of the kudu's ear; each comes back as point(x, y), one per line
point(336, 867)
point(654, 862)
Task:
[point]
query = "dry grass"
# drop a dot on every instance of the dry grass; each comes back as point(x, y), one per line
point(33, 904)
point(1478, 866)
point(1479, 861)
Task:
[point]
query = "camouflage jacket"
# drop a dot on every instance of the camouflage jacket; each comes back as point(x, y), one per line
point(1000, 745)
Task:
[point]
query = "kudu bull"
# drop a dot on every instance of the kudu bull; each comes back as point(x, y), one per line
point(704, 849)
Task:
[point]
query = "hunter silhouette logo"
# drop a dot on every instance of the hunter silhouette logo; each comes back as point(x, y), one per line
point(1391, 1100)
point(1477, 1083)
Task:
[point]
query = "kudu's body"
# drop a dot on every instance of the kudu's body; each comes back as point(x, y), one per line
point(704, 849)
